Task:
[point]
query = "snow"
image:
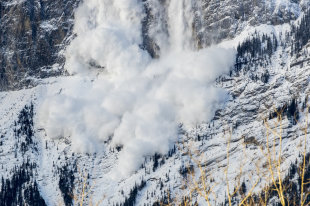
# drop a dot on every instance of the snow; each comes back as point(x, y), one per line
point(285, 83)
point(49, 25)
point(14, 2)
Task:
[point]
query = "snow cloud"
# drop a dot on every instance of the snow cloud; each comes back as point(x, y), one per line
point(118, 93)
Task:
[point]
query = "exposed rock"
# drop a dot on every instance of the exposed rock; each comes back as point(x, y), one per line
point(32, 34)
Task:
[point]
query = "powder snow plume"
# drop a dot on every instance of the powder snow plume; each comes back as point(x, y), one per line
point(118, 93)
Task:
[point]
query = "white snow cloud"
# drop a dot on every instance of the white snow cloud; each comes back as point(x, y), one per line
point(136, 101)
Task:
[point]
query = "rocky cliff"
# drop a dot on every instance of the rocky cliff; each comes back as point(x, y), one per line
point(33, 34)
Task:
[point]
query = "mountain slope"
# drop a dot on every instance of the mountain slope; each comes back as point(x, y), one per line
point(271, 71)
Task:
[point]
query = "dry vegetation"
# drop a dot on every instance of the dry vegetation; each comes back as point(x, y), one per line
point(279, 190)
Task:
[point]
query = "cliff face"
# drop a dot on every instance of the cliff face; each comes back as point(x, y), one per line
point(225, 19)
point(32, 34)
point(216, 20)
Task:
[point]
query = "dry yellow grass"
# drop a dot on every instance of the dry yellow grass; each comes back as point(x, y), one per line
point(272, 152)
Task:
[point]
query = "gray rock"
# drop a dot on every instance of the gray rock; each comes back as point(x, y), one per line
point(32, 33)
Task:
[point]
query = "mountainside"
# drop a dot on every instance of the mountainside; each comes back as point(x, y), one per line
point(33, 34)
point(123, 101)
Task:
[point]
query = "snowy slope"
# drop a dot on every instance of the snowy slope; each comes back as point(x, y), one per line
point(250, 102)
